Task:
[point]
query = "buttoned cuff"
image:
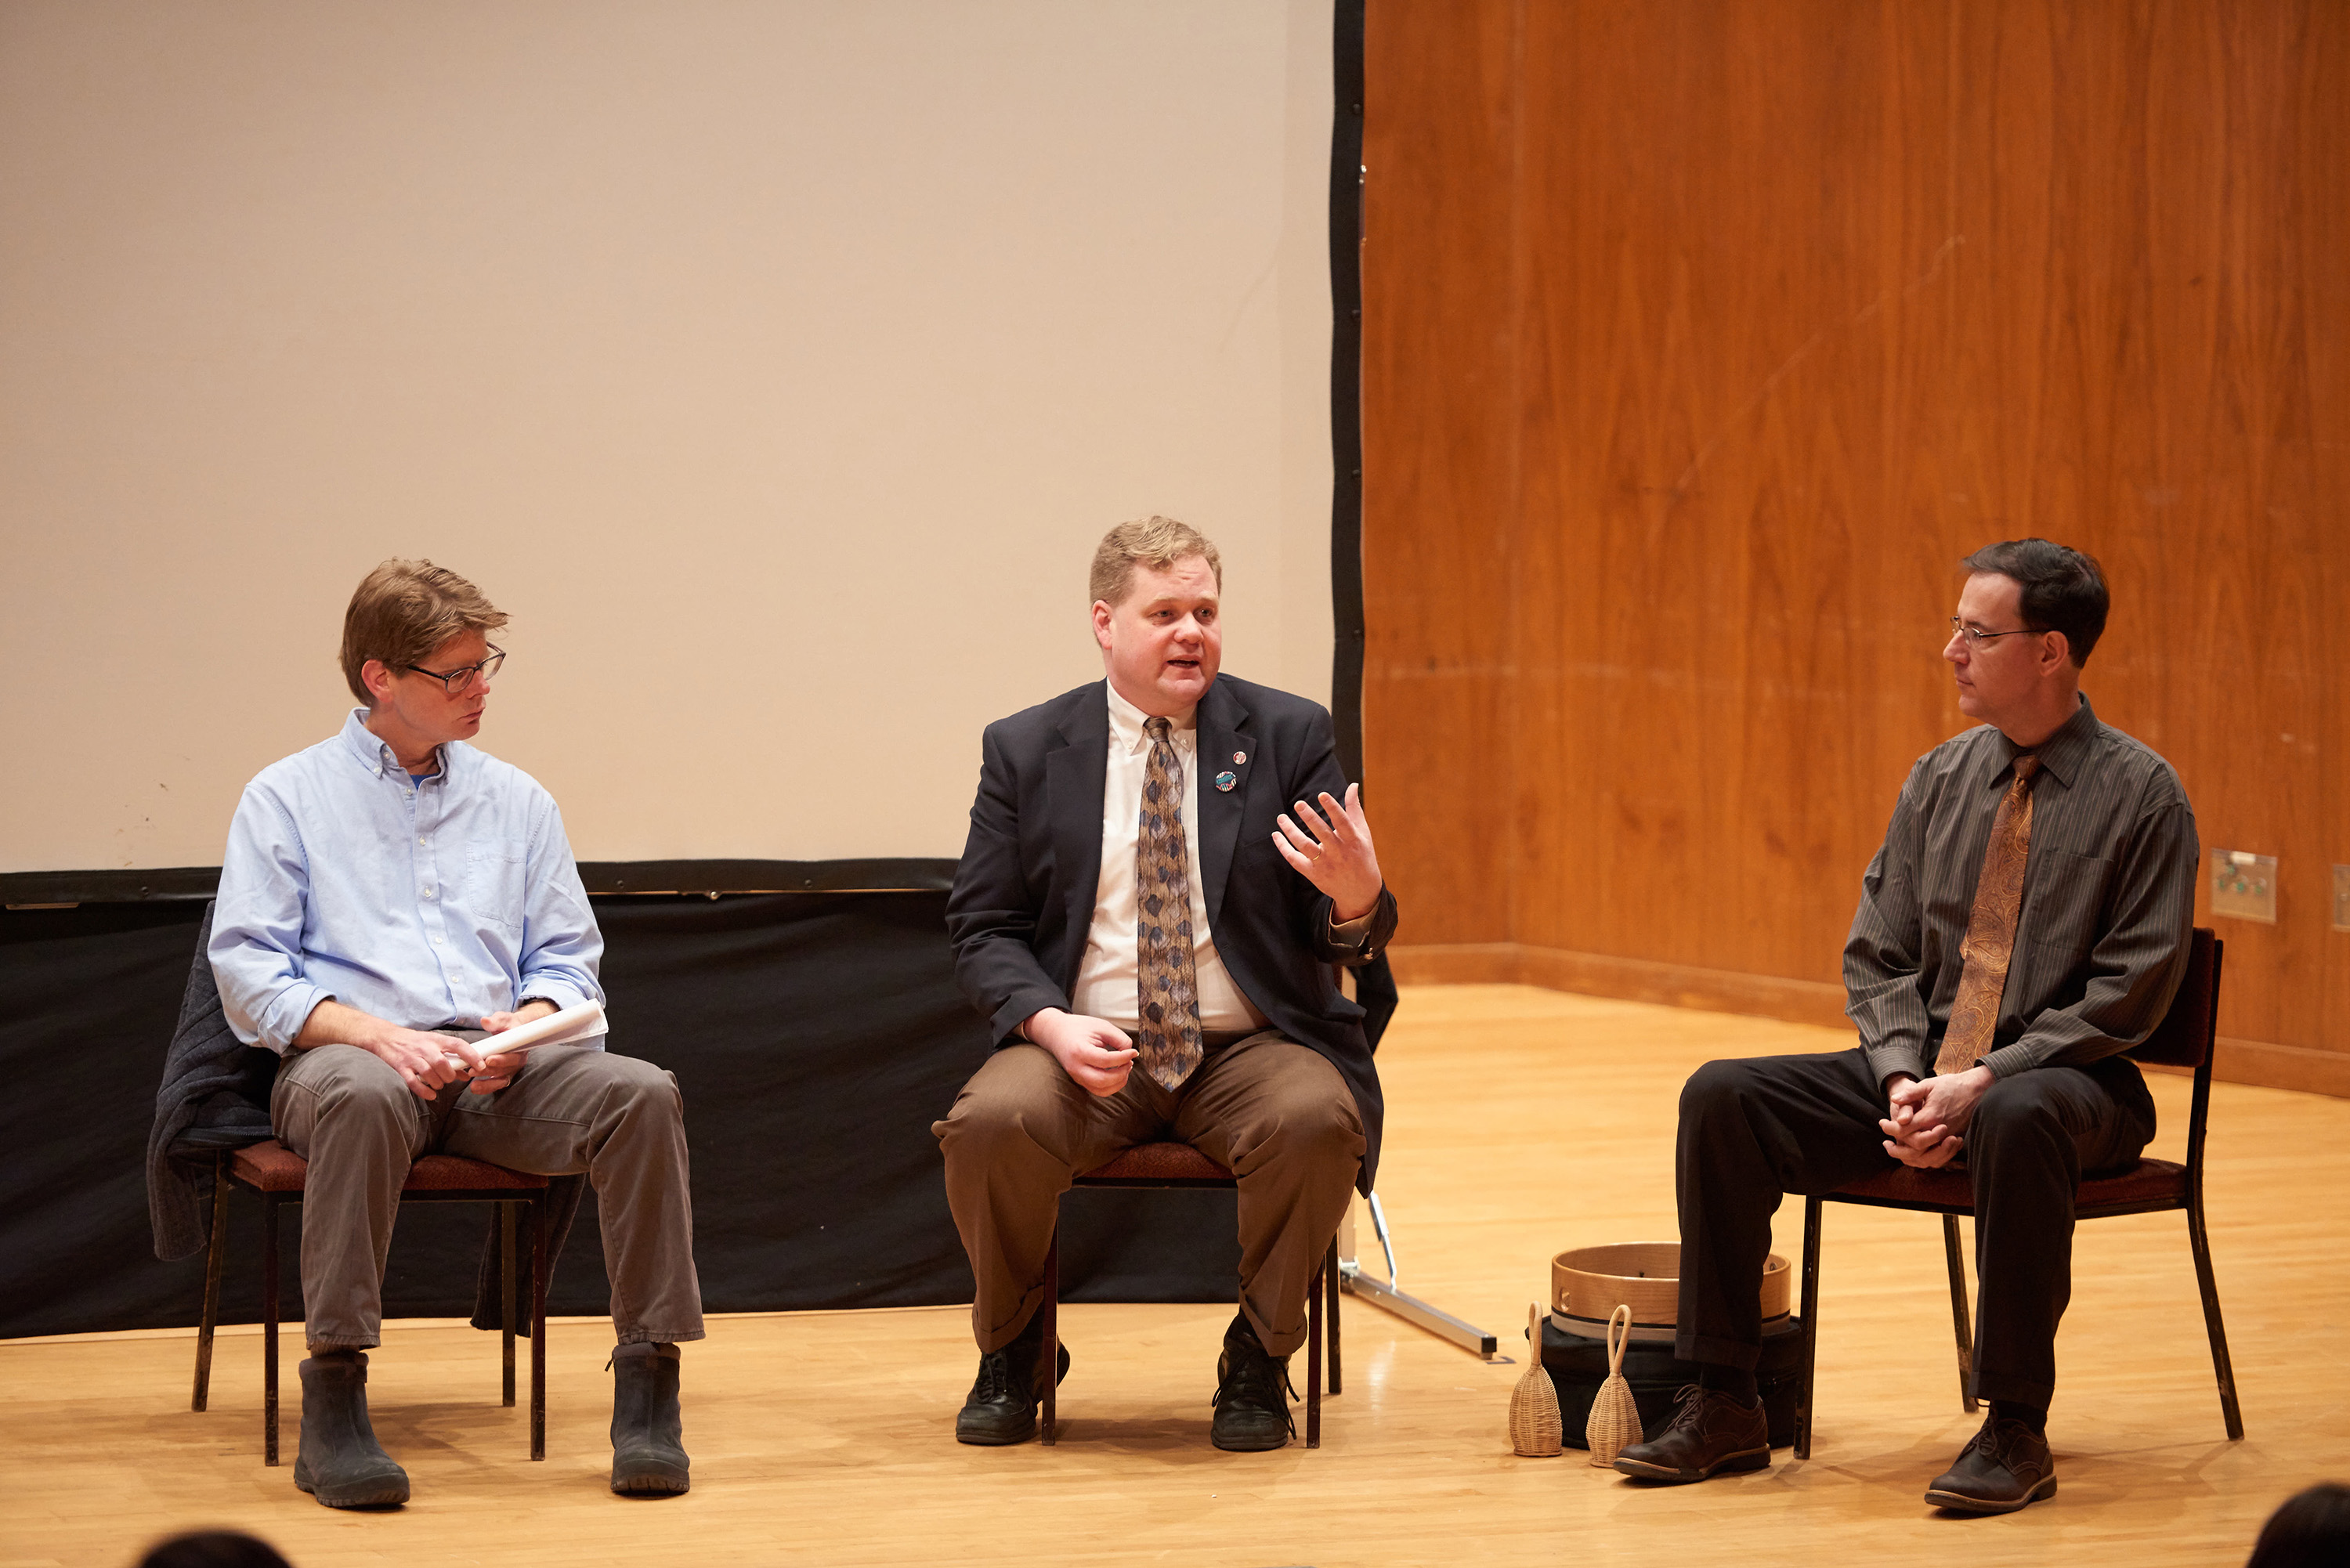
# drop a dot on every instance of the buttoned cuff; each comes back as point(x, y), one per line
point(1350, 933)
point(1885, 1061)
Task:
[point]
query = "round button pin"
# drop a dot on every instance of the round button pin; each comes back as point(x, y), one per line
point(1224, 781)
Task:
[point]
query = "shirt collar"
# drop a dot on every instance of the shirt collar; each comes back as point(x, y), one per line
point(376, 754)
point(1125, 722)
point(2062, 753)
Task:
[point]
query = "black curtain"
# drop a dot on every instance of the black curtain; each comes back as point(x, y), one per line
point(815, 1035)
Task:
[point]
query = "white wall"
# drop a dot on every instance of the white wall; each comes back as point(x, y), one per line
point(776, 366)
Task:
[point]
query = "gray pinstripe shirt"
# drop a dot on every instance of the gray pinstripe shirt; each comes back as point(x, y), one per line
point(2108, 901)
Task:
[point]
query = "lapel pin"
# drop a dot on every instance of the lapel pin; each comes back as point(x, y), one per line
point(1240, 759)
point(1224, 781)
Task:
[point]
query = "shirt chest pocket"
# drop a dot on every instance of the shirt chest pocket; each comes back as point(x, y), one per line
point(2064, 898)
point(494, 885)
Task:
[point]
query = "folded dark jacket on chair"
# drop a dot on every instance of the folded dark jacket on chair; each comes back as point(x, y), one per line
point(215, 1095)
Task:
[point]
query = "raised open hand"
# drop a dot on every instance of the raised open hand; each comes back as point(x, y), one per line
point(1333, 852)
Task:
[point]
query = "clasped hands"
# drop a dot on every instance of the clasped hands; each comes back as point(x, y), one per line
point(1926, 1117)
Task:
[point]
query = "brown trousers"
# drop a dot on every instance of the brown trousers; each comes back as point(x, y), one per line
point(618, 1119)
point(1274, 1113)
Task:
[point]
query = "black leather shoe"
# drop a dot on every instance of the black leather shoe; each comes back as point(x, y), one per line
point(1001, 1405)
point(340, 1463)
point(647, 1429)
point(1711, 1432)
point(2004, 1466)
point(1252, 1393)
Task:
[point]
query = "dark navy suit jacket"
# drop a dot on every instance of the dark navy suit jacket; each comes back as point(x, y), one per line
point(1024, 892)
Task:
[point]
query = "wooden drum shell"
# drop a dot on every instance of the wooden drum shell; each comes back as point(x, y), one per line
point(1587, 1284)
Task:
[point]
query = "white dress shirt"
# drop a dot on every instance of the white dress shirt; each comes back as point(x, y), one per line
point(1109, 980)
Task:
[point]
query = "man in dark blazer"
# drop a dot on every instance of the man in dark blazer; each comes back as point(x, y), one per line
point(1164, 869)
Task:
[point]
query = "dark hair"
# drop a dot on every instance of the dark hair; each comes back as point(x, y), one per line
point(2063, 590)
point(213, 1549)
point(2311, 1530)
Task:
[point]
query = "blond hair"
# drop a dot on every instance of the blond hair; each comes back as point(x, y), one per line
point(402, 612)
point(1155, 542)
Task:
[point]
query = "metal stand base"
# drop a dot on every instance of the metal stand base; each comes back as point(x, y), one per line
point(1383, 1294)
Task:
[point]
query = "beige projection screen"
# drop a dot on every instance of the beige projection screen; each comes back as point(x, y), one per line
point(774, 365)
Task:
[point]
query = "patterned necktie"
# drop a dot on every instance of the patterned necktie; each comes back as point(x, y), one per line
point(1167, 1036)
point(1991, 927)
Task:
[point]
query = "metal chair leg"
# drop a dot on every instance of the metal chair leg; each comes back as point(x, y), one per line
point(1049, 1309)
point(1812, 1210)
point(1314, 1362)
point(1330, 1306)
point(269, 1206)
point(1958, 1325)
point(506, 1297)
point(539, 1269)
point(215, 1256)
point(2199, 1243)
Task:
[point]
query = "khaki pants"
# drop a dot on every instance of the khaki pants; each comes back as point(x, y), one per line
point(619, 1120)
point(1275, 1113)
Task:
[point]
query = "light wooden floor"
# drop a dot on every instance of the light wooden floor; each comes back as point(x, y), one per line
point(1522, 1122)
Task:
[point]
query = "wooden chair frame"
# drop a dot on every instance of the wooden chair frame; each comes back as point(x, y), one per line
point(443, 1172)
point(1171, 1164)
point(2185, 1038)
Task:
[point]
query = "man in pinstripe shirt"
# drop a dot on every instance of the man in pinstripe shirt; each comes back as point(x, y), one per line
point(2029, 1095)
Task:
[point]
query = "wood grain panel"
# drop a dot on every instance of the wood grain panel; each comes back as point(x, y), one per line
point(1804, 302)
point(1440, 438)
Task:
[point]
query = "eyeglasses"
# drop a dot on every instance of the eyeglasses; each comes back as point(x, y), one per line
point(456, 681)
point(1976, 637)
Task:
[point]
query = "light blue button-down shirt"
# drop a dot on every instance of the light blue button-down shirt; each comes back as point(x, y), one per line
point(424, 903)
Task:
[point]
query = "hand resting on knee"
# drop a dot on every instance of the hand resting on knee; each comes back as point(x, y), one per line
point(424, 1060)
point(1096, 1054)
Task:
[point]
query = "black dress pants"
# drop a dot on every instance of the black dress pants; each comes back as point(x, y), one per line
point(1753, 1130)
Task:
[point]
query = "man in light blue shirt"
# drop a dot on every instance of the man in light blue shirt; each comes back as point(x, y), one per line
point(389, 897)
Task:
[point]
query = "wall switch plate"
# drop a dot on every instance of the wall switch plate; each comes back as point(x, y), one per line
point(2342, 897)
point(2243, 885)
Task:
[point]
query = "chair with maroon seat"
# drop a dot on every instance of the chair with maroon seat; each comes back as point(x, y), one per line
point(279, 1174)
point(2183, 1039)
point(1179, 1165)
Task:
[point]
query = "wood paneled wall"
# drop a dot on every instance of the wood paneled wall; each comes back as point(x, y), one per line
point(1701, 339)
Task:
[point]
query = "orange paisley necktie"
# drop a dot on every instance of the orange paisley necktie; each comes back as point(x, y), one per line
point(1991, 927)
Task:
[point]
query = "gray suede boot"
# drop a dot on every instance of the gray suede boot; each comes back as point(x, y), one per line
point(340, 1463)
point(647, 1432)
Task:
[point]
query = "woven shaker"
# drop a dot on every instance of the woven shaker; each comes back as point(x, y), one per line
point(1615, 1423)
point(1537, 1429)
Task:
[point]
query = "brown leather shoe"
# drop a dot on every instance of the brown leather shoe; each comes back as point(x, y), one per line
point(2002, 1468)
point(1709, 1433)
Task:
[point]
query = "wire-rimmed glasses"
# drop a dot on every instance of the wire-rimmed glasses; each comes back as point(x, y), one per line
point(456, 681)
point(1976, 637)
